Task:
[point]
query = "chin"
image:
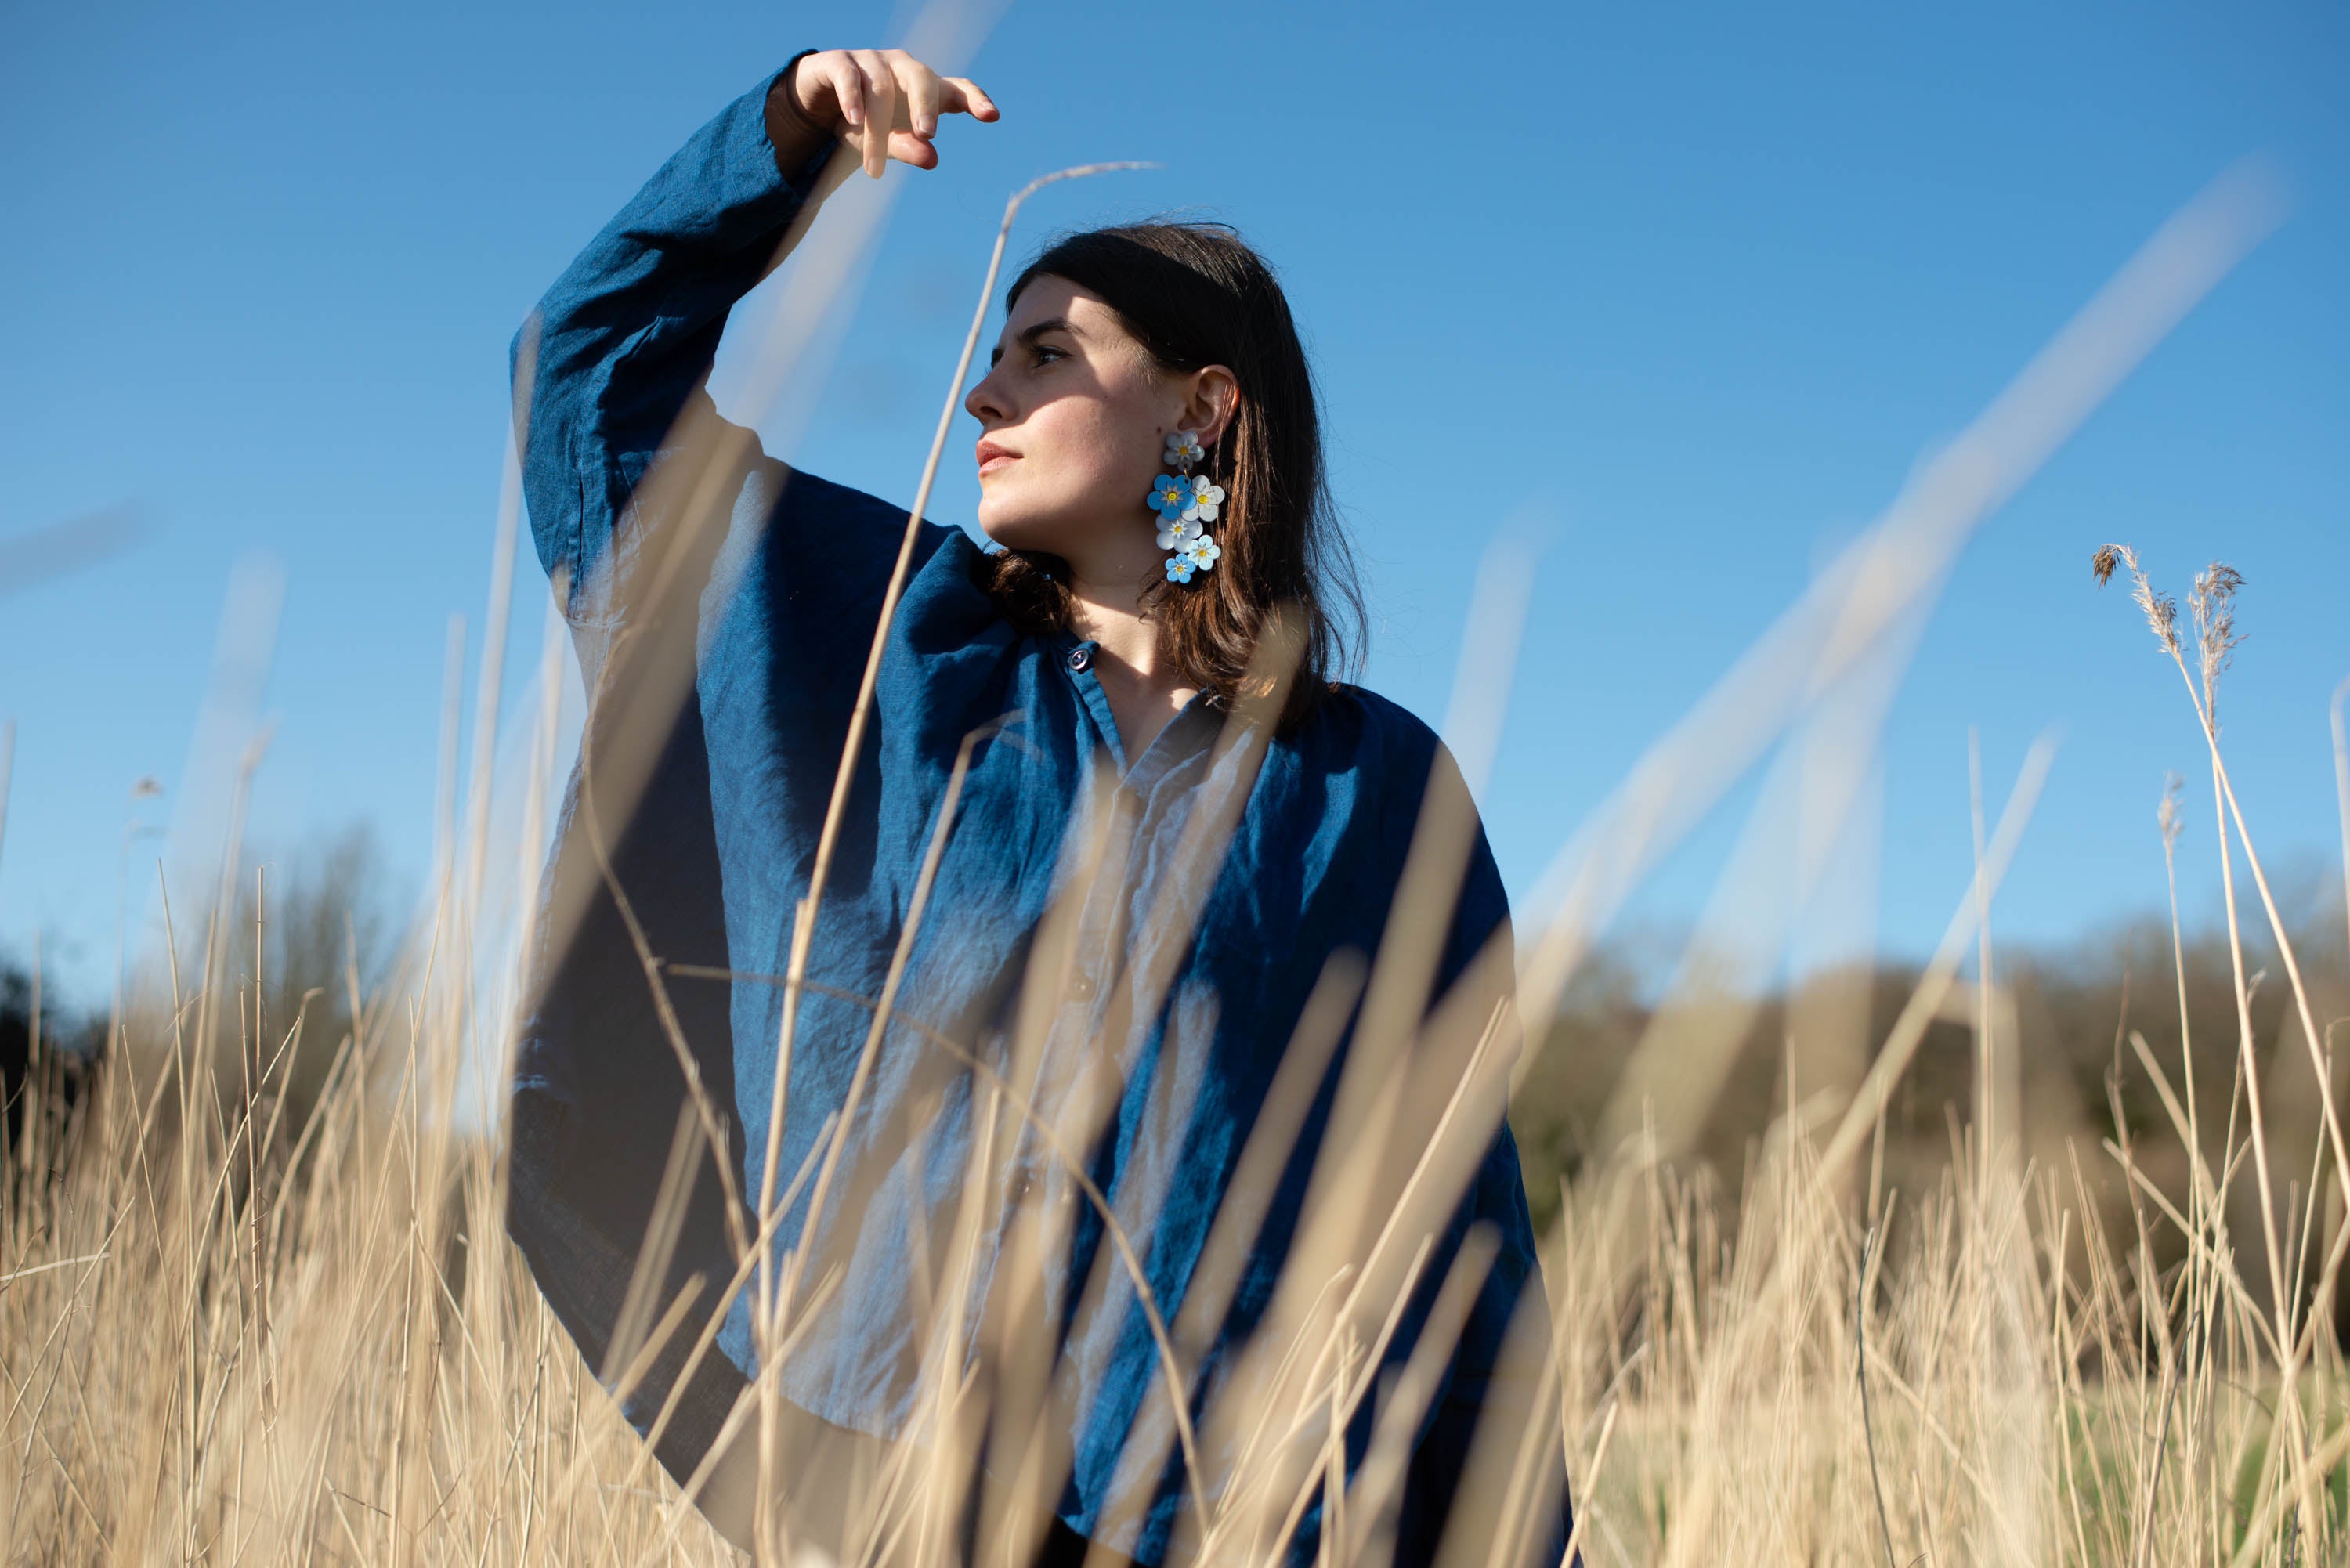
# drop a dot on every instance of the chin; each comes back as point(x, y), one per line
point(1023, 533)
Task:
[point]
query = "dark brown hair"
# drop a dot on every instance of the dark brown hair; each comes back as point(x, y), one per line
point(1195, 295)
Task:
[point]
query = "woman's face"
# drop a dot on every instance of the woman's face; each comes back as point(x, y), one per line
point(1074, 419)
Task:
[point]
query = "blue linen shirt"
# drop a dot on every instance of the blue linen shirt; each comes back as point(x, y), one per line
point(775, 613)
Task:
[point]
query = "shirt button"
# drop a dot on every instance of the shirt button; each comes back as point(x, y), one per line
point(1080, 656)
point(1081, 986)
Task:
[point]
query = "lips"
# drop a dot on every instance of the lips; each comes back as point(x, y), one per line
point(992, 456)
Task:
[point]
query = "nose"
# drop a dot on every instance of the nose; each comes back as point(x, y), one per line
point(985, 403)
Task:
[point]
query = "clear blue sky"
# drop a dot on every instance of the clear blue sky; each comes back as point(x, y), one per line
point(1704, 282)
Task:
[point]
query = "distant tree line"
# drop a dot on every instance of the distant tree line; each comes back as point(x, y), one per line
point(324, 940)
point(2071, 1011)
point(331, 926)
point(48, 1058)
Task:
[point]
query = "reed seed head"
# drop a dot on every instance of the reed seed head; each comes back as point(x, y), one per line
point(2161, 611)
point(2212, 601)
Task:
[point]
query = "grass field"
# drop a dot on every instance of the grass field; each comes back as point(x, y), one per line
point(226, 1345)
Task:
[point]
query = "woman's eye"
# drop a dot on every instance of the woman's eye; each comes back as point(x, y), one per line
point(1046, 354)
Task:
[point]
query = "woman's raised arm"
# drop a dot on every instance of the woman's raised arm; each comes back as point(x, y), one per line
point(629, 330)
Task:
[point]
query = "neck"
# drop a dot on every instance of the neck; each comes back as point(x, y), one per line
point(1110, 614)
point(1145, 690)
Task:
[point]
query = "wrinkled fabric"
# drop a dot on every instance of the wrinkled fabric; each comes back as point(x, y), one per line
point(1169, 1033)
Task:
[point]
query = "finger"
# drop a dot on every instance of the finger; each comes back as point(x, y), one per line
point(921, 85)
point(908, 148)
point(839, 73)
point(961, 94)
point(880, 108)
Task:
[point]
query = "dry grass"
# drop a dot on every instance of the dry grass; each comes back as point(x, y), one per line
point(231, 1337)
point(226, 1345)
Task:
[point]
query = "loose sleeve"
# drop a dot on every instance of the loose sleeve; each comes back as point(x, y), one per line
point(1494, 1380)
point(627, 334)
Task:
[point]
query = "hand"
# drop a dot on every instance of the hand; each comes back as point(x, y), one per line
point(883, 102)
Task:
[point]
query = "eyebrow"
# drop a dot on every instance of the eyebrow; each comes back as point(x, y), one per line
point(1030, 334)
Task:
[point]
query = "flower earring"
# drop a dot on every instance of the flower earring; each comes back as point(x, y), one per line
point(1184, 502)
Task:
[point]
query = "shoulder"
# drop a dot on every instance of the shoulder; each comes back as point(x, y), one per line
point(1390, 718)
point(820, 519)
point(1354, 727)
point(820, 554)
point(1395, 758)
point(813, 495)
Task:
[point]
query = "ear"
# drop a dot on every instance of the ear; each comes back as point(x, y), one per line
point(1212, 403)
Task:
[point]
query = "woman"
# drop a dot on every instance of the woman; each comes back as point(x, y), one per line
point(1083, 984)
